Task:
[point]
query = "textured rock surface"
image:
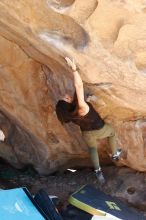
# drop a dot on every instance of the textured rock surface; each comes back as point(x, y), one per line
point(107, 40)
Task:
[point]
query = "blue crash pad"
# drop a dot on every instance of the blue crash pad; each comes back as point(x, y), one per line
point(17, 204)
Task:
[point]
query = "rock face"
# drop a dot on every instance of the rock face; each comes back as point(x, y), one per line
point(107, 40)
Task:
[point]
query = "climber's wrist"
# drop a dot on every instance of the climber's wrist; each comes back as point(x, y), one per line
point(76, 69)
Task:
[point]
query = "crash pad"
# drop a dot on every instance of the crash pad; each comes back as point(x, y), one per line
point(18, 204)
point(92, 200)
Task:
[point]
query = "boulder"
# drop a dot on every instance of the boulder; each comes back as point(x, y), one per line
point(107, 41)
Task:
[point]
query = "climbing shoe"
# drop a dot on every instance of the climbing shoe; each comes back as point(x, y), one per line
point(99, 176)
point(117, 155)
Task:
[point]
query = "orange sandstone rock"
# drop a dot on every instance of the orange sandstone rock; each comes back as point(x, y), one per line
point(107, 41)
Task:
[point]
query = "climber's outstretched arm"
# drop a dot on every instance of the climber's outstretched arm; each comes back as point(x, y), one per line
point(78, 83)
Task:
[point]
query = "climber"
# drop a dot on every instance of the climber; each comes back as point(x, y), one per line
point(77, 110)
